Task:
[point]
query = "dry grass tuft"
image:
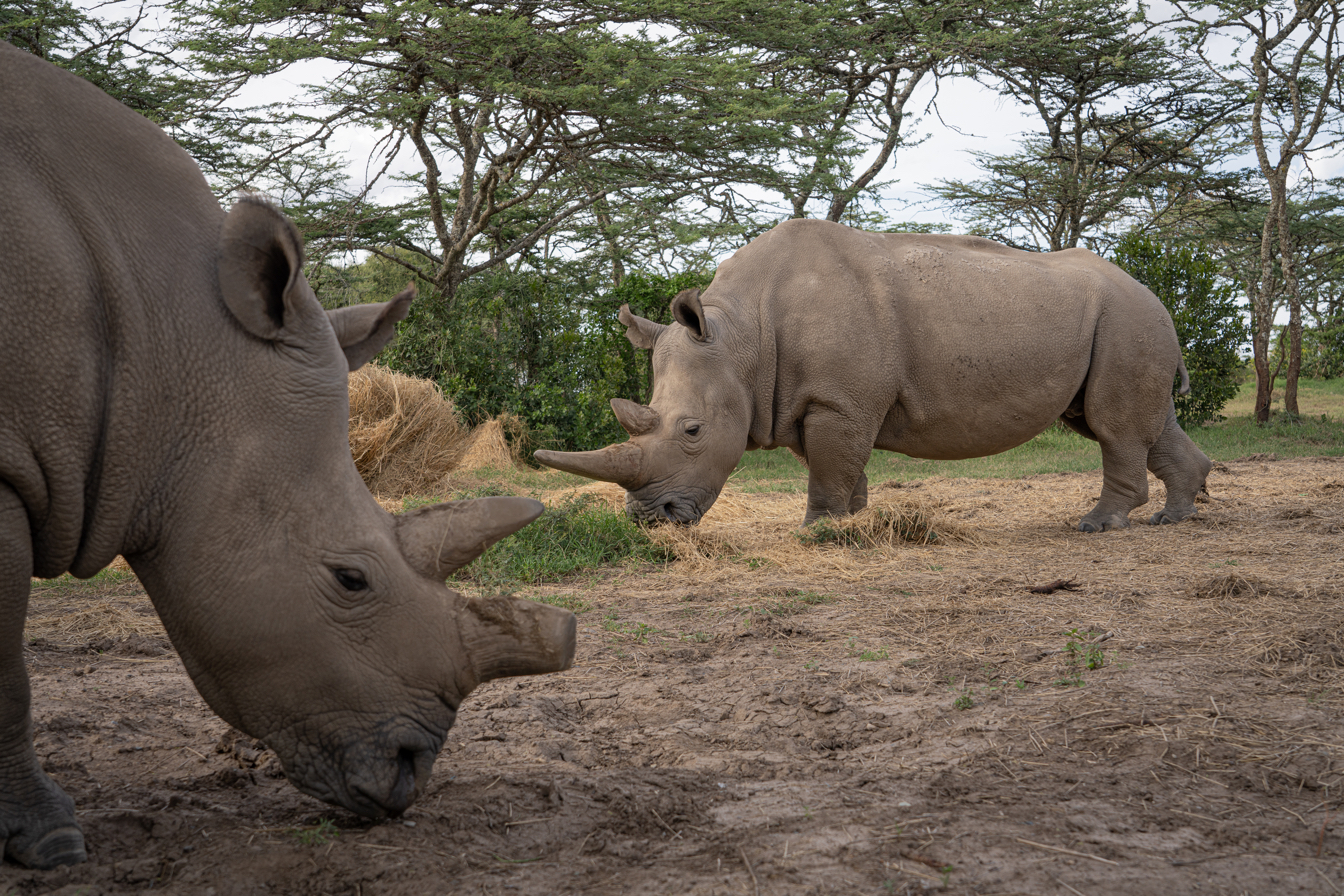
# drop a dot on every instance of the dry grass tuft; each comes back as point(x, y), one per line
point(887, 524)
point(1232, 587)
point(404, 435)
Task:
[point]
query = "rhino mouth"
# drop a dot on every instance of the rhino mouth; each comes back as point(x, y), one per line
point(379, 777)
point(680, 509)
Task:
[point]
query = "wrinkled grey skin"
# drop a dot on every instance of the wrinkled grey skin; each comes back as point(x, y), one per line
point(174, 392)
point(830, 342)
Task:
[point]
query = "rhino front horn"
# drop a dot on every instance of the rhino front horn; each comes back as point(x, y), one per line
point(622, 464)
point(503, 635)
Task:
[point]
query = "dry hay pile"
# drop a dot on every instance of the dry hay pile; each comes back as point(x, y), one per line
point(488, 448)
point(406, 437)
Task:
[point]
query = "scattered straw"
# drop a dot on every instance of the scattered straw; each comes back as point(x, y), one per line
point(102, 619)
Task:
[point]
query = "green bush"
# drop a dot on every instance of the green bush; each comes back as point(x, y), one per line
point(545, 347)
point(1208, 321)
point(1323, 350)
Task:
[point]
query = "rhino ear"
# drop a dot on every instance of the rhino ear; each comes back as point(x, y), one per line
point(363, 330)
point(439, 539)
point(261, 269)
point(641, 332)
point(687, 311)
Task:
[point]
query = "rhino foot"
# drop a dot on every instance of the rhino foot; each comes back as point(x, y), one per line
point(61, 846)
point(1171, 515)
point(1093, 523)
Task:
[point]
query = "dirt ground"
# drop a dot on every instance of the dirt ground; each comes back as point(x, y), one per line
point(767, 717)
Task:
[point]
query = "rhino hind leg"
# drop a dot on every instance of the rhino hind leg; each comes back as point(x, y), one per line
point(37, 819)
point(1182, 467)
point(1124, 486)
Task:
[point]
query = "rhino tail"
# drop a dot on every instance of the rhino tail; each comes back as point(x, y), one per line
point(1185, 378)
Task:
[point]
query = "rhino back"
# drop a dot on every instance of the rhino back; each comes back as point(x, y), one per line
point(108, 239)
point(951, 346)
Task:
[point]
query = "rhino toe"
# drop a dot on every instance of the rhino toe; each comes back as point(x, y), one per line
point(1092, 523)
point(1170, 515)
point(62, 846)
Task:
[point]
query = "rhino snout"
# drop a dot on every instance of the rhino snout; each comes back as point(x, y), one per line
point(406, 786)
point(377, 776)
point(681, 509)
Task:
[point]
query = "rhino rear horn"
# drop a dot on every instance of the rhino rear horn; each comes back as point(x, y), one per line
point(622, 464)
point(636, 419)
point(442, 538)
point(641, 332)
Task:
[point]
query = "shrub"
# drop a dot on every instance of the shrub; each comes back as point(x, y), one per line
point(1208, 321)
point(546, 348)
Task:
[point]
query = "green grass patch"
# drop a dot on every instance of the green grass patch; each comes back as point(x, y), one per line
point(581, 533)
point(571, 602)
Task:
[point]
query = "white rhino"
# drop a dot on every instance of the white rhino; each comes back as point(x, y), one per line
point(831, 341)
point(174, 392)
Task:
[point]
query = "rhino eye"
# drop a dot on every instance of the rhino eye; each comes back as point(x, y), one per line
point(693, 429)
point(350, 579)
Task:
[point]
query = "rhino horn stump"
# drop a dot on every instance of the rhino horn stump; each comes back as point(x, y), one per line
point(503, 635)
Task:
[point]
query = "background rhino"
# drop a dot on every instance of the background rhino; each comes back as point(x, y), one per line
point(831, 341)
point(174, 392)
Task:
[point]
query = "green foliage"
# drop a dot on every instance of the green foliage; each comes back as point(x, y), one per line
point(1208, 321)
point(547, 348)
point(581, 533)
point(1323, 350)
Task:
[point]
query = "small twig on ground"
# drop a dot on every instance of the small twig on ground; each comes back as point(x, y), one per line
point(1056, 585)
point(754, 884)
point(1071, 852)
point(663, 823)
point(1064, 885)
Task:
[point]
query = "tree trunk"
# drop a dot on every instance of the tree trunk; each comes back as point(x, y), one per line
point(1294, 357)
point(1262, 315)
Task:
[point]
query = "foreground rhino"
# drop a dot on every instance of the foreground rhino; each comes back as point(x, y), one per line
point(174, 392)
point(831, 342)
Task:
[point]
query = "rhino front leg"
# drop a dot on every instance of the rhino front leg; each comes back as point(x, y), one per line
point(1124, 487)
point(835, 457)
point(37, 819)
point(1182, 467)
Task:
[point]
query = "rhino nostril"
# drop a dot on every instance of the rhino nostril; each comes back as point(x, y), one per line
point(403, 791)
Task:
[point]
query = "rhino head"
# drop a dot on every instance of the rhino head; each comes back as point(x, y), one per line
point(306, 615)
point(685, 444)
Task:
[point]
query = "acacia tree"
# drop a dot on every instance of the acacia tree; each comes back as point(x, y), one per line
point(1125, 127)
point(502, 130)
point(1285, 63)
